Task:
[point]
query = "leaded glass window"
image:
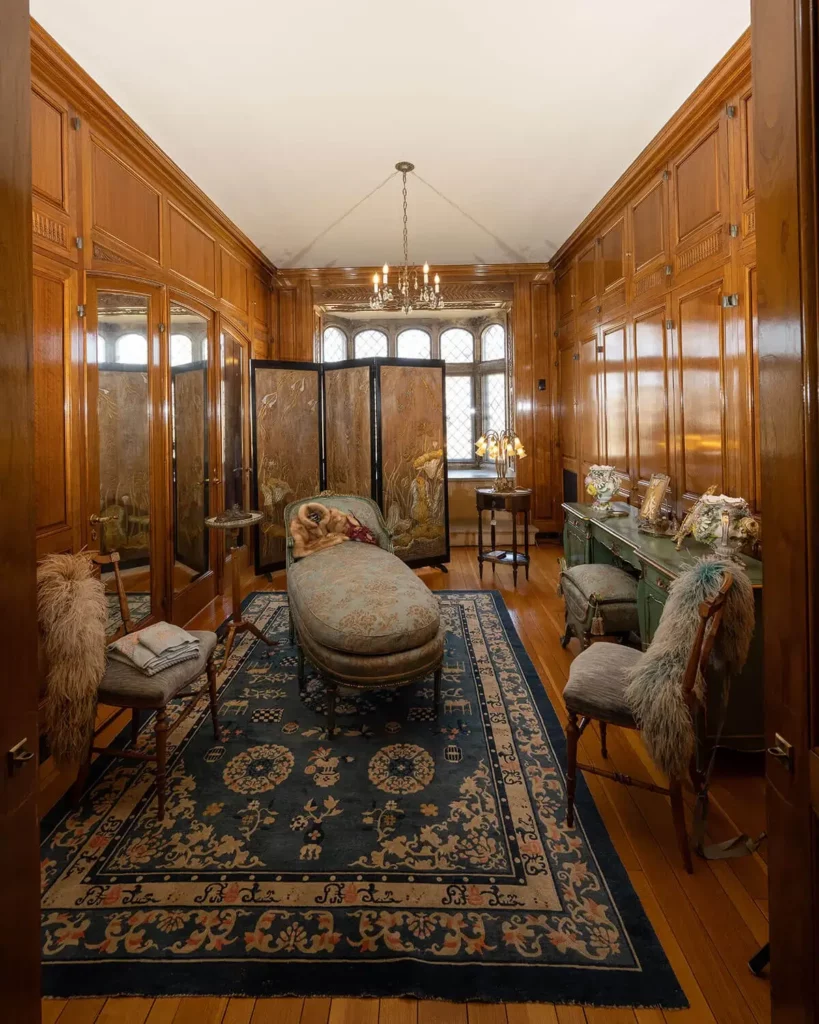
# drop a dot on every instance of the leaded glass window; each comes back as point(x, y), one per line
point(414, 344)
point(457, 346)
point(493, 342)
point(460, 419)
point(370, 343)
point(335, 345)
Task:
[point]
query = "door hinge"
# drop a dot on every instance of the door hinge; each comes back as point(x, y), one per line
point(733, 230)
point(730, 110)
point(669, 270)
point(161, 328)
point(81, 311)
point(783, 752)
point(78, 241)
point(576, 357)
point(669, 325)
point(666, 175)
point(730, 300)
point(76, 123)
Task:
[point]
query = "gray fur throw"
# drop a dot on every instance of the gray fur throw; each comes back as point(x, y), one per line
point(72, 615)
point(655, 686)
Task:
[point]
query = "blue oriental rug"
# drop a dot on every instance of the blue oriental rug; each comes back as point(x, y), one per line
point(404, 857)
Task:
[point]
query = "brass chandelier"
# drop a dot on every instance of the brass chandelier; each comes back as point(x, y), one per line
point(409, 294)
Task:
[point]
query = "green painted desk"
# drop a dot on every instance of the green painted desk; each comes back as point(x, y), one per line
point(591, 537)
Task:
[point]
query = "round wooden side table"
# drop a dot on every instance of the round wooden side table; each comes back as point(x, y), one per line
point(514, 502)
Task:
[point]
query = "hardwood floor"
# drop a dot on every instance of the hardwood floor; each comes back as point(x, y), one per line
point(709, 923)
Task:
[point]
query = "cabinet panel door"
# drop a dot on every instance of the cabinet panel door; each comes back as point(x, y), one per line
point(587, 409)
point(568, 423)
point(611, 255)
point(587, 276)
point(53, 175)
point(125, 208)
point(699, 350)
point(650, 394)
point(648, 235)
point(564, 296)
point(191, 251)
point(614, 398)
point(56, 406)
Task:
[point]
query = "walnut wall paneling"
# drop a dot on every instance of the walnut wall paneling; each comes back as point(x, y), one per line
point(349, 429)
point(287, 447)
point(234, 275)
point(650, 363)
point(191, 250)
point(613, 396)
point(648, 227)
point(566, 369)
point(411, 445)
point(589, 403)
point(612, 263)
point(57, 434)
point(586, 271)
point(564, 294)
point(124, 206)
point(54, 175)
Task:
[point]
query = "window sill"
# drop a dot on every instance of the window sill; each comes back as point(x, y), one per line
point(471, 474)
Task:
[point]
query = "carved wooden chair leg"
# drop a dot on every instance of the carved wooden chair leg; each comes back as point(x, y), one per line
point(569, 633)
point(300, 658)
point(572, 736)
point(82, 774)
point(332, 693)
point(291, 628)
point(697, 777)
point(161, 731)
point(134, 726)
point(678, 815)
point(437, 690)
point(214, 713)
point(604, 750)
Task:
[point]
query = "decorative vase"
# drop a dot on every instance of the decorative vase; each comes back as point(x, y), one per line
point(602, 483)
point(724, 523)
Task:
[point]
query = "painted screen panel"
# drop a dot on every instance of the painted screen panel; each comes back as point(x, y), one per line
point(412, 459)
point(348, 430)
point(286, 406)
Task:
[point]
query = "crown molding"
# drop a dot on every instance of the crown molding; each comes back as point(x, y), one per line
point(467, 273)
point(51, 65)
point(732, 71)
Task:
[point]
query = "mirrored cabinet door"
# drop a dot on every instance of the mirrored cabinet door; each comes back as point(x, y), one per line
point(119, 402)
point(233, 410)
point(191, 469)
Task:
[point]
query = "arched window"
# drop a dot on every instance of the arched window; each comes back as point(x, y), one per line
point(335, 345)
point(133, 349)
point(370, 343)
point(414, 344)
point(181, 350)
point(457, 346)
point(493, 343)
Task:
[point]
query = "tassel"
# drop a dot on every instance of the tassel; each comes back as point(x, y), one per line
point(597, 622)
point(559, 589)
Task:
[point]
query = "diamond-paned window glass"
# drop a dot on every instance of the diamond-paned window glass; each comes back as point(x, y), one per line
point(460, 419)
point(457, 346)
point(414, 344)
point(494, 401)
point(493, 341)
point(370, 343)
point(335, 345)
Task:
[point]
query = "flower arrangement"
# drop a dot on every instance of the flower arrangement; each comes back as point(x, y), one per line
point(502, 447)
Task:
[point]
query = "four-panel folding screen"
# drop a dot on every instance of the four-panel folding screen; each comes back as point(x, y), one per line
point(374, 427)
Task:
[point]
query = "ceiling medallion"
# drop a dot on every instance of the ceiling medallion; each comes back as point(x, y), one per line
point(408, 294)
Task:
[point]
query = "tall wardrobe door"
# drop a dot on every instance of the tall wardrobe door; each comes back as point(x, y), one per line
point(125, 464)
point(56, 407)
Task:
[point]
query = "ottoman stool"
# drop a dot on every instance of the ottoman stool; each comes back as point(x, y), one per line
point(360, 615)
point(601, 600)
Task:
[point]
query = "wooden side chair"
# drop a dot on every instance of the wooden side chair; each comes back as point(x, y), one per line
point(595, 693)
point(126, 688)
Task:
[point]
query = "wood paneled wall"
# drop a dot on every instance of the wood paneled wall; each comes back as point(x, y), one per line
point(656, 298)
point(298, 293)
point(107, 202)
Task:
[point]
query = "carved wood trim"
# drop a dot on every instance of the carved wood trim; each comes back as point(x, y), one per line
point(48, 228)
point(708, 246)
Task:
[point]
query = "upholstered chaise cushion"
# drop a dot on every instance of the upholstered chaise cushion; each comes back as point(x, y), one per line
point(597, 683)
point(614, 591)
point(360, 599)
point(124, 685)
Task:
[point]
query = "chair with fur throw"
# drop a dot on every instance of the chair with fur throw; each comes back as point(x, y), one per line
point(72, 613)
point(709, 612)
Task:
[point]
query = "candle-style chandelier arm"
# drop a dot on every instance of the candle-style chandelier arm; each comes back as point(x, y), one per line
point(409, 295)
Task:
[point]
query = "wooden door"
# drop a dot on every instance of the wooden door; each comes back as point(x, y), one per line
point(786, 187)
point(128, 468)
point(649, 359)
point(19, 839)
point(234, 435)
point(57, 397)
point(614, 400)
point(588, 403)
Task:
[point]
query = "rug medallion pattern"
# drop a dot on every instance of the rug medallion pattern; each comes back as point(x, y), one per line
point(365, 864)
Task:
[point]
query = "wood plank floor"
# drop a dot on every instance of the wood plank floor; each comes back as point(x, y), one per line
point(709, 923)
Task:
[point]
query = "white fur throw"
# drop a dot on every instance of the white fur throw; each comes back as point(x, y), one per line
point(654, 692)
point(72, 614)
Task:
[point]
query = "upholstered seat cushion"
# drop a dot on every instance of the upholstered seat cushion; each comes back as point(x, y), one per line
point(597, 681)
point(125, 686)
point(374, 670)
point(614, 592)
point(359, 599)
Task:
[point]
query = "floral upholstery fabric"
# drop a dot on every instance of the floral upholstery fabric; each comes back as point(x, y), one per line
point(125, 686)
point(614, 591)
point(360, 599)
point(597, 683)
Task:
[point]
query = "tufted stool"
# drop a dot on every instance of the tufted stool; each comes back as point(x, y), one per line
point(601, 600)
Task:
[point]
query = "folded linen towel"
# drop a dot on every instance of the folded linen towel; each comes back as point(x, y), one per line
point(155, 648)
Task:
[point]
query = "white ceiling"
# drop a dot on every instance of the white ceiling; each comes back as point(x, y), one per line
point(523, 113)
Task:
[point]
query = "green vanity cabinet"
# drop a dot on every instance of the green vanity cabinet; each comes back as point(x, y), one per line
point(589, 536)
